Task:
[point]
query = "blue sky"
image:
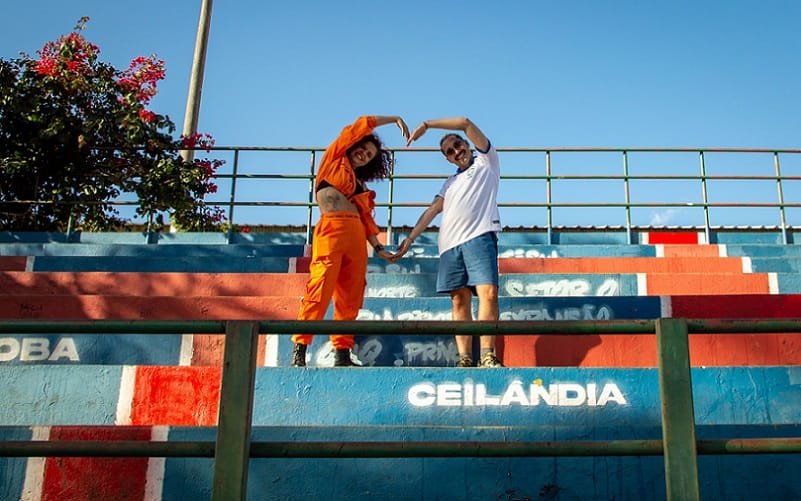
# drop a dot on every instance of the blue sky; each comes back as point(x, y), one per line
point(529, 73)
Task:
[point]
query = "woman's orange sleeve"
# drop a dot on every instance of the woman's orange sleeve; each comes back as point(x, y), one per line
point(335, 168)
point(350, 135)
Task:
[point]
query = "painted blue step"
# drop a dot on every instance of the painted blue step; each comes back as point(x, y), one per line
point(152, 251)
point(445, 396)
point(211, 237)
point(529, 250)
point(593, 478)
point(763, 251)
point(534, 237)
point(788, 283)
point(602, 478)
point(776, 264)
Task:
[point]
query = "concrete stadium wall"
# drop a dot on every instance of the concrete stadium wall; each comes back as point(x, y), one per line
point(166, 387)
point(375, 404)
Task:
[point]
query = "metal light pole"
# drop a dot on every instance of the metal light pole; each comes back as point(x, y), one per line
point(196, 78)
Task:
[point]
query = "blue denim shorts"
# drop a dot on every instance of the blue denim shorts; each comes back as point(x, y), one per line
point(472, 263)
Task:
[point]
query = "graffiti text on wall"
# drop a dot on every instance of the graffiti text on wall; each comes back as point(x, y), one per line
point(563, 287)
point(470, 394)
point(37, 349)
point(527, 253)
point(583, 312)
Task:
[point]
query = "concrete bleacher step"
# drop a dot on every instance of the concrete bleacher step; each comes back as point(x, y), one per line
point(380, 284)
point(531, 289)
point(13, 263)
point(774, 264)
point(127, 387)
point(164, 264)
point(213, 264)
point(593, 284)
point(150, 250)
point(552, 251)
point(152, 283)
point(622, 265)
point(98, 307)
point(763, 250)
point(403, 350)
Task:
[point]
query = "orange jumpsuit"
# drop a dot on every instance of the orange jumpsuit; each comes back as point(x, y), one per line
point(339, 255)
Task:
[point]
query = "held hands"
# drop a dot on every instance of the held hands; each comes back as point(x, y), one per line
point(403, 248)
point(386, 255)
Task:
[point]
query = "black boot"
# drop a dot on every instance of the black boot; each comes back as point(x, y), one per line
point(342, 358)
point(299, 355)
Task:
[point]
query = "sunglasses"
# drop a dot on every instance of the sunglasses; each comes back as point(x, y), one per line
point(452, 149)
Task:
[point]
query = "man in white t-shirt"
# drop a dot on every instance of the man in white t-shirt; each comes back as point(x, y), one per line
point(468, 241)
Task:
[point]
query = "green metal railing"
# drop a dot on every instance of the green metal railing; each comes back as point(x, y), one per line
point(549, 178)
point(234, 448)
point(544, 199)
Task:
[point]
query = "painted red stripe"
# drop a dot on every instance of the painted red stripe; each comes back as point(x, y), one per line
point(710, 350)
point(13, 263)
point(671, 284)
point(177, 396)
point(672, 237)
point(152, 283)
point(121, 479)
point(621, 265)
point(302, 265)
point(737, 306)
point(83, 307)
point(691, 250)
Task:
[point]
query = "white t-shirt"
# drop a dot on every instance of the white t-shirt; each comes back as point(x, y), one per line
point(470, 199)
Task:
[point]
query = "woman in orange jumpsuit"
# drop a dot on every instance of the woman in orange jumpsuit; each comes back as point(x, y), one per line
point(339, 256)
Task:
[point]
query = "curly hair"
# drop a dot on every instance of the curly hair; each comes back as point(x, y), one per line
point(380, 166)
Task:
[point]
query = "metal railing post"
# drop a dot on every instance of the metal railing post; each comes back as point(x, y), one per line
point(311, 198)
point(678, 417)
point(390, 199)
point(548, 208)
point(232, 452)
point(234, 176)
point(782, 219)
point(627, 195)
point(705, 197)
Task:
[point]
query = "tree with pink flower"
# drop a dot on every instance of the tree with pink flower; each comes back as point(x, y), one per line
point(76, 134)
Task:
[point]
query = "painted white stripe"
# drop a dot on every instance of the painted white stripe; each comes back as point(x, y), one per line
point(660, 250)
point(125, 402)
point(293, 265)
point(271, 351)
point(29, 263)
point(667, 306)
point(773, 282)
point(642, 284)
point(154, 479)
point(34, 470)
point(723, 251)
point(747, 268)
point(644, 237)
point(187, 349)
point(702, 238)
point(307, 250)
